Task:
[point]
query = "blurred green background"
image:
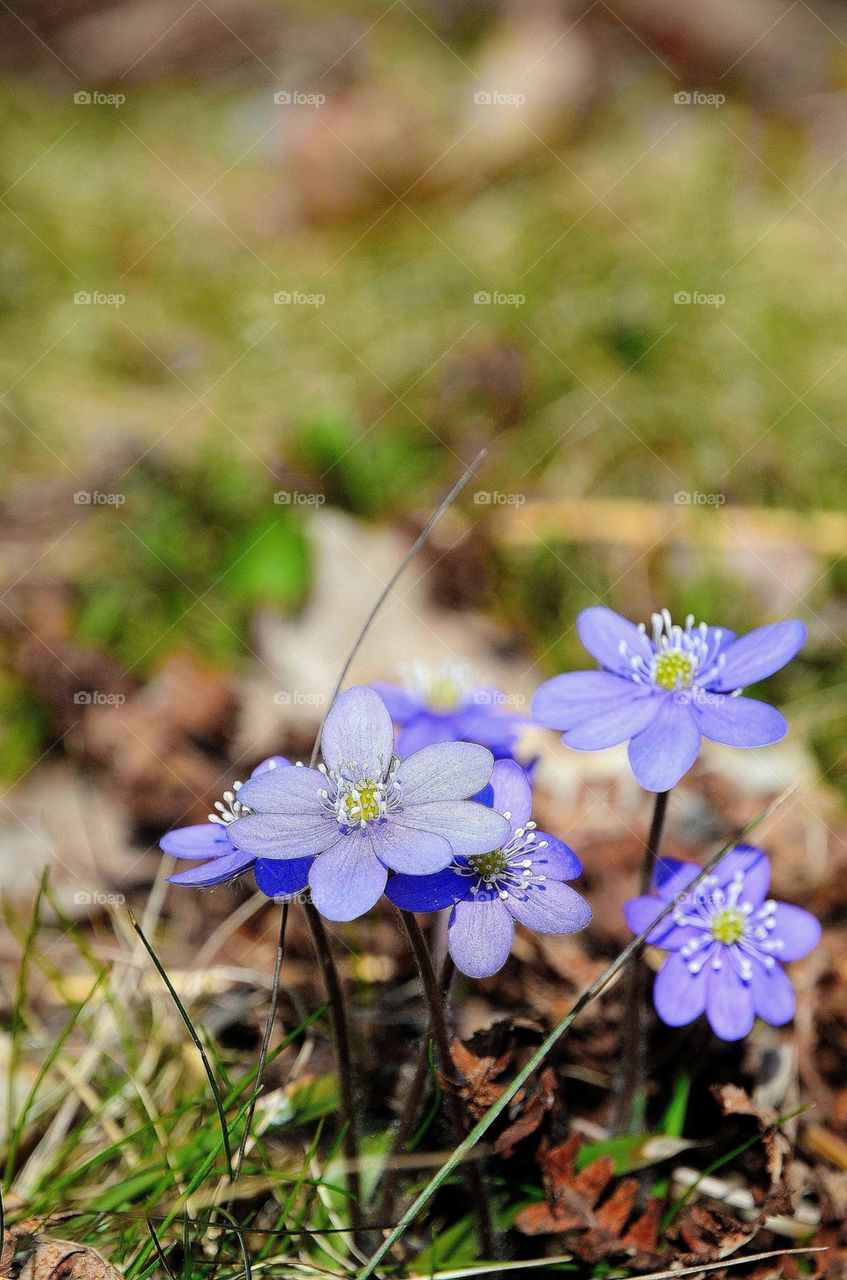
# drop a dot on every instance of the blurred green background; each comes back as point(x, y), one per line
point(243, 247)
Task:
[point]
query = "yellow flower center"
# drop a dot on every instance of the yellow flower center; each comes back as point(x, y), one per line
point(728, 925)
point(673, 669)
point(443, 693)
point(362, 804)
point(489, 865)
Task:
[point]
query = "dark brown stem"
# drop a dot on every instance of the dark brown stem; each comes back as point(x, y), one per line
point(341, 1037)
point(266, 1041)
point(634, 1027)
point(438, 1025)
point(416, 1095)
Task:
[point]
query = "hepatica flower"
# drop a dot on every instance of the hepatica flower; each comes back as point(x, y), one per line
point(442, 704)
point(220, 861)
point(365, 811)
point(664, 690)
point(727, 942)
point(520, 879)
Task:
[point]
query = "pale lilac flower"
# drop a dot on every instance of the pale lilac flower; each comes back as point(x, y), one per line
point(522, 880)
point(727, 942)
point(364, 811)
point(662, 692)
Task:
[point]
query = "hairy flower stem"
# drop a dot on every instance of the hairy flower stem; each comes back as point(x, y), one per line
point(341, 1037)
point(634, 1027)
point(438, 1024)
point(415, 1098)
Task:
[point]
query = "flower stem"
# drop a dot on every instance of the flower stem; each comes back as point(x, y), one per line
point(438, 1024)
point(415, 1098)
point(634, 1028)
point(341, 1037)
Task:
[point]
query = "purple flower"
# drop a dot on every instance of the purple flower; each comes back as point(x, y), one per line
point(364, 811)
point(663, 692)
point(221, 861)
point(520, 879)
point(442, 705)
point(726, 943)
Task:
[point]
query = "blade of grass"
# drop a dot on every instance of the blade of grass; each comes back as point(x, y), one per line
point(198, 1043)
point(534, 1062)
point(17, 1019)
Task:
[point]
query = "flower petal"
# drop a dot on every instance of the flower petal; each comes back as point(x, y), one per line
point(423, 731)
point(670, 877)
point(773, 995)
point(280, 878)
point(284, 835)
point(567, 700)
point(602, 632)
point(413, 851)
point(444, 771)
point(738, 722)
point(755, 866)
point(555, 859)
point(402, 703)
point(347, 880)
point(205, 840)
point(272, 762)
point(613, 724)
point(428, 893)
point(497, 730)
point(759, 654)
point(641, 912)
point(663, 752)
point(798, 931)
point(678, 994)
point(511, 793)
point(470, 827)
point(729, 1001)
point(215, 872)
point(479, 936)
point(358, 731)
point(295, 790)
point(549, 908)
